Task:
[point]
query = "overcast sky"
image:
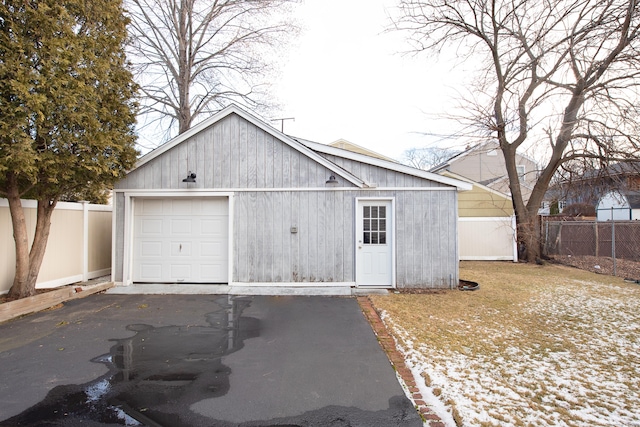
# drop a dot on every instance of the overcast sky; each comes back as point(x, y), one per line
point(343, 78)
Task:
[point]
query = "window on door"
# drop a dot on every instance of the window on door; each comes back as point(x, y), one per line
point(374, 225)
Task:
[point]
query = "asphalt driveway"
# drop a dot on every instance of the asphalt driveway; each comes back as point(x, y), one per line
point(198, 360)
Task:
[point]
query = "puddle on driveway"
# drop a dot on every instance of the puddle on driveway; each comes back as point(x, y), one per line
point(154, 376)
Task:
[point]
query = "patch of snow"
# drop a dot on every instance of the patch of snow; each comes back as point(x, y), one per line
point(588, 376)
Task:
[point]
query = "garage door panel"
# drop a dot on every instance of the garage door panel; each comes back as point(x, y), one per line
point(152, 207)
point(181, 272)
point(181, 249)
point(212, 270)
point(181, 226)
point(150, 249)
point(151, 226)
point(211, 249)
point(182, 207)
point(214, 226)
point(214, 207)
point(151, 271)
point(181, 240)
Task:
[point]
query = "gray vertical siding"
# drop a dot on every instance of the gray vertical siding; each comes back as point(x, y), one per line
point(265, 249)
point(231, 153)
point(323, 249)
point(426, 239)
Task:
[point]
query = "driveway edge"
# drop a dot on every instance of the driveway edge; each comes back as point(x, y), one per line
point(13, 309)
point(396, 359)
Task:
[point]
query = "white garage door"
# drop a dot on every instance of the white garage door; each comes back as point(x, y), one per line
point(181, 240)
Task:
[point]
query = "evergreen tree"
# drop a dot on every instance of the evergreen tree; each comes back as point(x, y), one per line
point(66, 112)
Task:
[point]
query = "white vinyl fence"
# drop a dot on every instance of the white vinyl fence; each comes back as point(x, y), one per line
point(488, 238)
point(79, 246)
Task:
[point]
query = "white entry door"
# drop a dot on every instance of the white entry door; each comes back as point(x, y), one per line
point(374, 243)
point(181, 240)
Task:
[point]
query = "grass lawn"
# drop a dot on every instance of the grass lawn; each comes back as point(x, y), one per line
point(534, 346)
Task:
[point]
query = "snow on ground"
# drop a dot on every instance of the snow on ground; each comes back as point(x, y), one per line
point(577, 364)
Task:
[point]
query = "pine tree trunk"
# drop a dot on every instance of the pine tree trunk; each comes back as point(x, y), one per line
point(20, 287)
point(40, 239)
point(28, 262)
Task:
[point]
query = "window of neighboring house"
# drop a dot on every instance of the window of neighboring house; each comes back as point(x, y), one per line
point(561, 205)
point(521, 171)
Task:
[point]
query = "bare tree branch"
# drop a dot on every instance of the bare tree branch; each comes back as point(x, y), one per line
point(193, 57)
point(560, 74)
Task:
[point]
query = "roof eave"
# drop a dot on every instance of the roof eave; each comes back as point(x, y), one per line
point(397, 167)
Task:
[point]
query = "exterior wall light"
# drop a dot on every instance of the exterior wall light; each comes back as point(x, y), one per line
point(191, 177)
point(332, 180)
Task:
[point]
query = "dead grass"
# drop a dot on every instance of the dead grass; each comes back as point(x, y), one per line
point(551, 342)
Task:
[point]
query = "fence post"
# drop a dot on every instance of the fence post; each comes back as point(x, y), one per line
point(613, 242)
point(514, 226)
point(85, 241)
point(595, 225)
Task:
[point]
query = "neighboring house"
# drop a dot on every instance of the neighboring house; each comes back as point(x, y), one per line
point(484, 163)
point(487, 223)
point(591, 186)
point(233, 201)
point(619, 205)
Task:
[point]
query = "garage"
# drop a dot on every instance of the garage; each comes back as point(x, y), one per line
point(234, 201)
point(181, 240)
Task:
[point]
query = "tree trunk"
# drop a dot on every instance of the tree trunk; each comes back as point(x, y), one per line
point(529, 237)
point(28, 262)
point(40, 239)
point(19, 288)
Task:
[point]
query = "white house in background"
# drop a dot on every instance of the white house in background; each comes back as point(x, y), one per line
point(619, 205)
point(237, 203)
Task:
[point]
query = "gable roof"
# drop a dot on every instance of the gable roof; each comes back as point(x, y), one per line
point(488, 146)
point(234, 109)
point(307, 148)
point(631, 167)
point(477, 184)
point(386, 164)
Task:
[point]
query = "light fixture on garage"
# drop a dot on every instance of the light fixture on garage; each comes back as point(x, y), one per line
point(332, 180)
point(191, 177)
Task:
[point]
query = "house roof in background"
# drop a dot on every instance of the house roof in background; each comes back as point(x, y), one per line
point(465, 152)
point(477, 184)
point(631, 167)
point(487, 146)
point(346, 145)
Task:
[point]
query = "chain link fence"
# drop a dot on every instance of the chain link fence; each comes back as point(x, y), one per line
point(611, 239)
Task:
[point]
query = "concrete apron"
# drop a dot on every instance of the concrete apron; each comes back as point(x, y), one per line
point(193, 289)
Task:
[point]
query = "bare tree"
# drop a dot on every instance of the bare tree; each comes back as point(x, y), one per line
point(427, 157)
point(196, 56)
point(558, 74)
